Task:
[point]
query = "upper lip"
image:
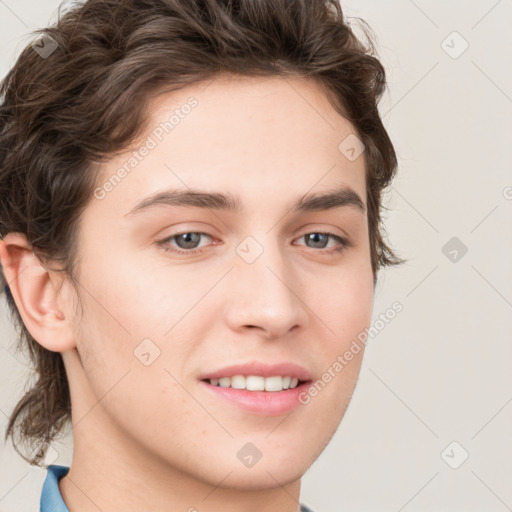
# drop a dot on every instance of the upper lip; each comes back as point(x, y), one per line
point(284, 369)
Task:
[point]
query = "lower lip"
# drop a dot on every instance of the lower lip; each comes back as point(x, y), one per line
point(264, 403)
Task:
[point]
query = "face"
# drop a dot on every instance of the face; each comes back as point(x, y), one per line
point(255, 278)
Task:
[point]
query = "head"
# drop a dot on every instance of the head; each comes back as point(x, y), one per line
point(258, 102)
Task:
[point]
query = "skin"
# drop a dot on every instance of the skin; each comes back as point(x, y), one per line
point(146, 437)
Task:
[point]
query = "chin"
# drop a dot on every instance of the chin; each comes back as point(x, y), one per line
point(259, 478)
point(226, 469)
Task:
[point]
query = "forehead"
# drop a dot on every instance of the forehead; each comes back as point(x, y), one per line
point(248, 136)
point(258, 112)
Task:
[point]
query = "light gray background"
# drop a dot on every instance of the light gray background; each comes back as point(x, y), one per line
point(440, 371)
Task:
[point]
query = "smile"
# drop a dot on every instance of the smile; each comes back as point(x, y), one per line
point(260, 402)
point(256, 382)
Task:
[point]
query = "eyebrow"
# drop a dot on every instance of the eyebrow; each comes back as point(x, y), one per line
point(310, 202)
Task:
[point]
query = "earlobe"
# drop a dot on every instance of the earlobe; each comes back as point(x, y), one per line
point(34, 290)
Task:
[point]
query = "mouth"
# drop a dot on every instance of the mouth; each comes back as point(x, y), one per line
point(272, 384)
point(257, 388)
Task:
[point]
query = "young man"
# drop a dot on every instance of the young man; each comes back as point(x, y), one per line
point(190, 225)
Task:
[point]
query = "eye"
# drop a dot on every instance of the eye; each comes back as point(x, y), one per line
point(187, 242)
point(320, 239)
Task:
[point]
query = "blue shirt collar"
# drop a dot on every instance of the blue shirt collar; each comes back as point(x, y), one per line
point(51, 498)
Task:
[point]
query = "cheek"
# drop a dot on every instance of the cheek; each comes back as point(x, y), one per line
point(348, 309)
point(125, 303)
point(343, 305)
point(133, 374)
point(344, 312)
point(129, 312)
point(152, 298)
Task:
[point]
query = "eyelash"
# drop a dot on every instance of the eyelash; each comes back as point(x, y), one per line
point(164, 244)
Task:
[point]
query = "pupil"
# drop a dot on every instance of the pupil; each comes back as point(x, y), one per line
point(314, 238)
point(186, 238)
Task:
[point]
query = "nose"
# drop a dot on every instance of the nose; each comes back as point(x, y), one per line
point(266, 295)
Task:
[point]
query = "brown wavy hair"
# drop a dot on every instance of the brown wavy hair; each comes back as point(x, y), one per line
point(62, 112)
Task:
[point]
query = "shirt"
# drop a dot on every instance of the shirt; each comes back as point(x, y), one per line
point(51, 498)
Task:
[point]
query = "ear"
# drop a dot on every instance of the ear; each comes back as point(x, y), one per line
point(35, 291)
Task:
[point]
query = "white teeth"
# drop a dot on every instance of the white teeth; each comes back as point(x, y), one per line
point(256, 383)
point(224, 382)
point(273, 383)
point(253, 383)
point(238, 382)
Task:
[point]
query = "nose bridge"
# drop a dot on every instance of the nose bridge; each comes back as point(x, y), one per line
point(265, 293)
